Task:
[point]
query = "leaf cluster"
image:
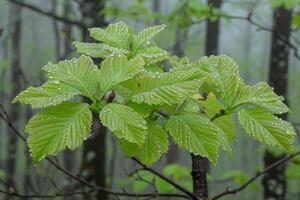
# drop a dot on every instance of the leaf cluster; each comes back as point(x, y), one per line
point(143, 105)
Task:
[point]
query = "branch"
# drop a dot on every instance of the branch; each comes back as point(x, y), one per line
point(168, 180)
point(257, 175)
point(261, 27)
point(4, 116)
point(48, 14)
point(24, 196)
point(249, 19)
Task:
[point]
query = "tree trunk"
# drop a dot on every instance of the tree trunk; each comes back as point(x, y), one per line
point(199, 167)
point(56, 32)
point(156, 9)
point(274, 182)
point(15, 77)
point(212, 31)
point(27, 184)
point(5, 39)
point(94, 156)
point(67, 29)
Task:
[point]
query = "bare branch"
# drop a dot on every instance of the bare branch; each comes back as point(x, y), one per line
point(48, 13)
point(168, 180)
point(257, 175)
point(249, 18)
point(58, 195)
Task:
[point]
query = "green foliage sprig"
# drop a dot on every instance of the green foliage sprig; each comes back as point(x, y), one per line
point(142, 104)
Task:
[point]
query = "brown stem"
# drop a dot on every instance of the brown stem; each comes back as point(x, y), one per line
point(199, 168)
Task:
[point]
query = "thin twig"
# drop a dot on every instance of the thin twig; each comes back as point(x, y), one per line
point(58, 195)
point(48, 13)
point(249, 19)
point(168, 180)
point(256, 176)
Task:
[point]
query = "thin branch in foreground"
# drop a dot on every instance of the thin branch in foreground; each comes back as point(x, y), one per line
point(48, 13)
point(257, 175)
point(58, 195)
point(4, 116)
point(168, 180)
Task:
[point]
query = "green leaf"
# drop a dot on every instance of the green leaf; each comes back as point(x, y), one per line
point(145, 35)
point(98, 50)
point(117, 69)
point(296, 19)
point(261, 95)
point(124, 122)
point(293, 171)
point(266, 128)
point(227, 135)
point(180, 174)
point(140, 185)
point(2, 174)
point(141, 180)
point(55, 128)
point(80, 74)
point(143, 109)
point(196, 134)
point(152, 54)
point(163, 88)
point(154, 68)
point(49, 94)
point(222, 76)
point(116, 35)
point(239, 177)
point(156, 144)
point(178, 62)
point(177, 172)
point(212, 107)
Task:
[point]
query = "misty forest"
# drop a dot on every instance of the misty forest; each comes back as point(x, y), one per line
point(150, 99)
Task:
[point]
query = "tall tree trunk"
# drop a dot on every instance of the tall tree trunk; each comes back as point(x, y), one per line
point(200, 165)
point(56, 31)
point(94, 163)
point(27, 184)
point(156, 9)
point(212, 31)
point(3, 74)
point(15, 77)
point(94, 154)
point(67, 29)
point(274, 182)
point(199, 168)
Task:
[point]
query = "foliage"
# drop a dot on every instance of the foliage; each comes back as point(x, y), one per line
point(289, 4)
point(142, 180)
point(142, 104)
point(238, 177)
